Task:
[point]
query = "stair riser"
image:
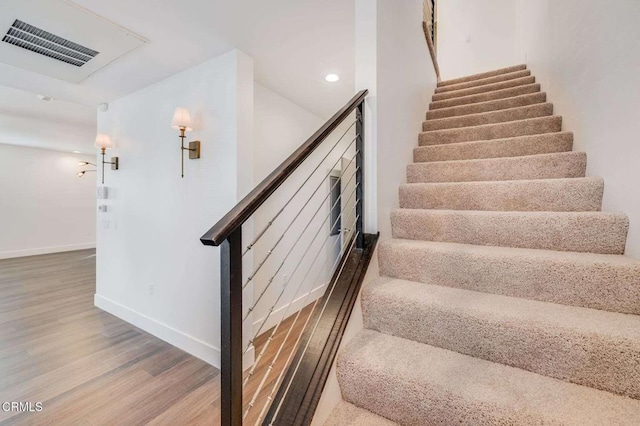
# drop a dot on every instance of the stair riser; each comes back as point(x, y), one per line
point(416, 384)
point(520, 113)
point(603, 233)
point(484, 81)
point(346, 414)
point(569, 281)
point(500, 104)
point(383, 394)
point(512, 147)
point(483, 75)
point(485, 97)
point(484, 89)
point(565, 195)
point(534, 126)
point(601, 361)
point(548, 166)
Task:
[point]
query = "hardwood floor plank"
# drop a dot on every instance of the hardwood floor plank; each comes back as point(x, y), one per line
point(52, 383)
point(145, 402)
point(197, 408)
point(38, 365)
point(88, 367)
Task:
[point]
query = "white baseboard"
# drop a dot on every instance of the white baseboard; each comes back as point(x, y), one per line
point(293, 307)
point(45, 250)
point(190, 344)
point(196, 347)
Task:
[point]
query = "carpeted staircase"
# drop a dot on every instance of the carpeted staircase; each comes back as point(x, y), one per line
point(504, 295)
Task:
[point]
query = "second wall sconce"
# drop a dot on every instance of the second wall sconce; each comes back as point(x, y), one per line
point(81, 173)
point(104, 142)
point(182, 121)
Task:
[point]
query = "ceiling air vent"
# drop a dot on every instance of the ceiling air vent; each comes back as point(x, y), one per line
point(43, 42)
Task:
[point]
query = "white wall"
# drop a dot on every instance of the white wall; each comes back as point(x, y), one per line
point(46, 208)
point(585, 53)
point(152, 269)
point(393, 62)
point(280, 127)
point(46, 134)
point(475, 36)
point(303, 258)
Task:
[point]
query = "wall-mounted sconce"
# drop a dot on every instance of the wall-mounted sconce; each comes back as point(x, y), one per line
point(104, 142)
point(83, 172)
point(182, 121)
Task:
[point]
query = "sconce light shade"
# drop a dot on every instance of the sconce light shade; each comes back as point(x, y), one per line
point(103, 141)
point(181, 120)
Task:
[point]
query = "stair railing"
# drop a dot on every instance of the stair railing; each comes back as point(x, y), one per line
point(308, 215)
point(430, 29)
point(429, 19)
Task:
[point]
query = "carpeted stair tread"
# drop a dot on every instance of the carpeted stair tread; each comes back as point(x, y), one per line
point(545, 143)
point(505, 115)
point(504, 296)
point(416, 384)
point(570, 164)
point(523, 81)
point(484, 81)
point(346, 414)
point(574, 194)
point(592, 232)
point(531, 126)
point(497, 105)
point(483, 75)
point(599, 281)
point(579, 345)
point(485, 97)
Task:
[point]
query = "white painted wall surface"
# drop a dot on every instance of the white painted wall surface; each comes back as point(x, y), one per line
point(475, 36)
point(280, 127)
point(46, 134)
point(393, 62)
point(45, 207)
point(585, 54)
point(152, 269)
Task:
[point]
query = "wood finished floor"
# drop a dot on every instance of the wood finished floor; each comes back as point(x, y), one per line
point(88, 367)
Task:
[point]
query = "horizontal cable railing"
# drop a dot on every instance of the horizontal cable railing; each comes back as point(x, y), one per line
point(282, 251)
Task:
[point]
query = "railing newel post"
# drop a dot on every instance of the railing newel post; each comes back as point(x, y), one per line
point(231, 329)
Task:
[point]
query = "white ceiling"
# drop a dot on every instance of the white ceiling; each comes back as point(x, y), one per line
point(71, 23)
point(294, 43)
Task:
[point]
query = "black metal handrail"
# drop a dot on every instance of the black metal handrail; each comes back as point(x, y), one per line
point(242, 211)
point(227, 234)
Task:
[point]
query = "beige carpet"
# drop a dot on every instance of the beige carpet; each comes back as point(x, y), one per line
point(504, 295)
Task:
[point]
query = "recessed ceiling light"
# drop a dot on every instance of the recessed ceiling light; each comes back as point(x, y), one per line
point(76, 152)
point(332, 78)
